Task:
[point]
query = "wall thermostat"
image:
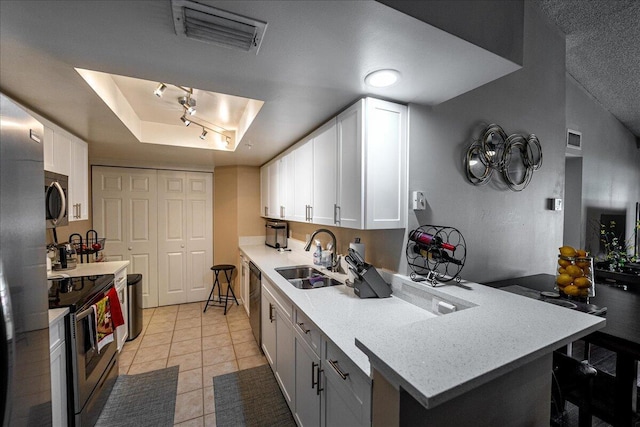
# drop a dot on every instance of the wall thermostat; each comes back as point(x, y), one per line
point(555, 204)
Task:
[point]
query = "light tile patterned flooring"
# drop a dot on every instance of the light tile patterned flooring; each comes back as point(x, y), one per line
point(202, 344)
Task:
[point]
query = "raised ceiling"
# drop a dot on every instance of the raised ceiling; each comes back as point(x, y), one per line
point(311, 64)
point(603, 51)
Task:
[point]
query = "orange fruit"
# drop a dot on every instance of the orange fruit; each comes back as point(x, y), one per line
point(581, 253)
point(583, 262)
point(562, 270)
point(571, 290)
point(567, 251)
point(582, 282)
point(564, 279)
point(564, 262)
point(584, 292)
point(574, 271)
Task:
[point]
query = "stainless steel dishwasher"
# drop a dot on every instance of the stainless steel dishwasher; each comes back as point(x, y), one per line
point(254, 301)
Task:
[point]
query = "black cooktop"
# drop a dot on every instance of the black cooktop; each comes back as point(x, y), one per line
point(74, 292)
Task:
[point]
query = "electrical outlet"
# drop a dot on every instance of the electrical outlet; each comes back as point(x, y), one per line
point(419, 203)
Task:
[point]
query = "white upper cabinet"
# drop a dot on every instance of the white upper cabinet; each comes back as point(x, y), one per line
point(303, 186)
point(79, 181)
point(349, 209)
point(351, 172)
point(385, 164)
point(264, 191)
point(287, 185)
point(324, 174)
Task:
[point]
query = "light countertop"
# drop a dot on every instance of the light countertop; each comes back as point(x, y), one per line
point(435, 358)
point(55, 314)
point(90, 269)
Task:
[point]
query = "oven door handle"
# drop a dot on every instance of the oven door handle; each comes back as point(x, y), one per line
point(92, 333)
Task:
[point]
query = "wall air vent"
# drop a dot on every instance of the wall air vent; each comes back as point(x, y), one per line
point(574, 139)
point(205, 23)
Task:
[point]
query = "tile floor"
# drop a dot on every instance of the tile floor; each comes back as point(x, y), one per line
point(202, 344)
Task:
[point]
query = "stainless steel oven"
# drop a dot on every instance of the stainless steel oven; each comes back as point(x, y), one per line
point(56, 189)
point(254, 301)
point(91, 373)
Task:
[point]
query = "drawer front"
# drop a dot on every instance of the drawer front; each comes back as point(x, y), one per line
point(282, 303)
point(308, 331)
point(120, 277)
point(56, 334)
point(351, 381)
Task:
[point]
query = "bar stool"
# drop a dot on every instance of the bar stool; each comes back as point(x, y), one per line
point(228, 274)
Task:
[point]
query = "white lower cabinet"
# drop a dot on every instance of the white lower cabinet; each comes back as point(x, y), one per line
point(122, 331)
point(321, 385)
point(58, 358)
point(277, 339)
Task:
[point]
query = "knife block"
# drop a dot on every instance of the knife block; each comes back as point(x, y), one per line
point(371, 285)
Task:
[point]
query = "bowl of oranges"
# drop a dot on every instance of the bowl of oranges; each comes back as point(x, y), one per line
point(574, 274)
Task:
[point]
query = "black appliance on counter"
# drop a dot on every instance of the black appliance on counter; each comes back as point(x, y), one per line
point(90, 375)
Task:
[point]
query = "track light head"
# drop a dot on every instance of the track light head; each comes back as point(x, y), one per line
point(203, 135)
point(186, 121)
point(160, 90)
point(188, 103)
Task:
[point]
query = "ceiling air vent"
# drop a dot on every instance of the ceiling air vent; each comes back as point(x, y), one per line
point(208, 24)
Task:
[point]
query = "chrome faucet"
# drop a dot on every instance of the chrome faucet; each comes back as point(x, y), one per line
point(335, 258)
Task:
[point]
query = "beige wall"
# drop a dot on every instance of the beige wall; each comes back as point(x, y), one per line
point(236, 204)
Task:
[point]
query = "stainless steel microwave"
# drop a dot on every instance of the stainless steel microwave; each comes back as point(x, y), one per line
point(56, 190)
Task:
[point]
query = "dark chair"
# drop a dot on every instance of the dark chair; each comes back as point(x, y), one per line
point(228, 270)
point(578, 382)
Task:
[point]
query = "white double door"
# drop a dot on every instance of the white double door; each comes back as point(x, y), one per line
point(162, 222)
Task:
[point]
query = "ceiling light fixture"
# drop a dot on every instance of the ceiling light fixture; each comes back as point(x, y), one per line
point(382, 78)
point(186, 121)
point(160, 90)
point(203, 135)
point(188, 103)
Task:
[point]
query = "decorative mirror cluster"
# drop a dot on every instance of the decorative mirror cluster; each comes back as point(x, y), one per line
point(515, 156)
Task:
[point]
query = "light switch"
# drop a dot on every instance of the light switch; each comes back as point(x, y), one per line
point(419, 203)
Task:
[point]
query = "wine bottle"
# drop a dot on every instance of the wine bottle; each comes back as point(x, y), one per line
point(430, 240)
point(437, 254)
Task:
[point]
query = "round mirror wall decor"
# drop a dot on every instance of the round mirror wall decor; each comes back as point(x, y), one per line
point(515, 157)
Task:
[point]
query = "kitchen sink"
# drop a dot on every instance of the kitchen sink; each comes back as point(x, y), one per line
point(306, 277)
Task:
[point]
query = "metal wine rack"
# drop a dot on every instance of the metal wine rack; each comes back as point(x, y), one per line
point(431, 261)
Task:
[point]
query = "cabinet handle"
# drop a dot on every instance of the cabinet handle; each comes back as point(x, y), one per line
point(266, 210)
point(314, 383)
point(281, 211)
point(79, 210)
point(303, 329)
point(336, 214)
point(310, 213)
point(306, 212)
point(334, 365)
point(271, 313)
point(318, 371)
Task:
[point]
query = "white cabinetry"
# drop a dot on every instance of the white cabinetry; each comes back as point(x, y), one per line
point(244, 283)
point(351, 172)
point(79, 181)
point(122, 331)
point(264, 191)
point(277, 339)
point(303, 185)
point(321, 385)
point(58, 358)
point(324, 174)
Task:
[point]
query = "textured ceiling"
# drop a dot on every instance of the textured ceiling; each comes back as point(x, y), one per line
point(603, 51)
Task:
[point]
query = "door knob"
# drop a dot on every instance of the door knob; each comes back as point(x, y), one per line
point(130, 248)
point(182, 246)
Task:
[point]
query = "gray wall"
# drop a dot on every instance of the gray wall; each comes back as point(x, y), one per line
point(611, 161)
point(507, 233)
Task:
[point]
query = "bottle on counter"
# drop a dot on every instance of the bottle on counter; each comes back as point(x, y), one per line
point(430, 240)
point(317, 255)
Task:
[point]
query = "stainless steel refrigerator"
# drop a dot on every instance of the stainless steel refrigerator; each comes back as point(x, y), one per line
point(25, 375)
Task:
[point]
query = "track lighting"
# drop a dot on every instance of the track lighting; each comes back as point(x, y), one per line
point(188, 103)
point(189, 107)
point(160, 90)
